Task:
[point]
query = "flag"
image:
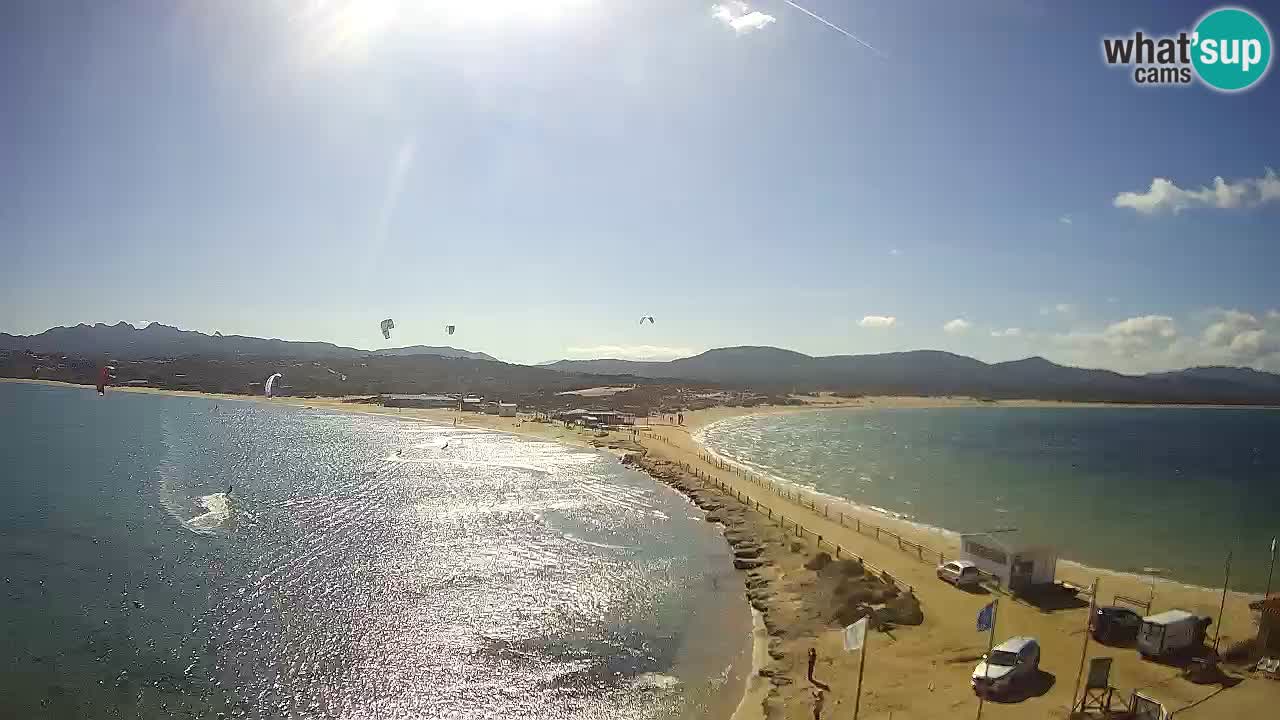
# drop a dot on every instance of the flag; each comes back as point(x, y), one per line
point(1273, 547)
point(855, 635)
point(985, 616)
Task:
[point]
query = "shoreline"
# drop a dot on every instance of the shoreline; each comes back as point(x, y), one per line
point(896, 680)
point(947, 538)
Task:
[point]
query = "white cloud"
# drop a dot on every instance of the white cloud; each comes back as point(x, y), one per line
point(1126, 338)
point(740, 17)
point(1143, 326)
point(1007, 332)
point(630, 352)
point(895, 251)
point(878, 321)
point(1065, 219)
point(1155, 342)
point(1060, 308)
point(1165, 196)
point(957, 326)
point(1231, 323)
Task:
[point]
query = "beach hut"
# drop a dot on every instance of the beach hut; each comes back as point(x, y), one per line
point(418, 401)
point(1269, 626)
point(506, 409)
point(1007, 556)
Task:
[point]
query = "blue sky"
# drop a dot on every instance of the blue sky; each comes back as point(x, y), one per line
point(541, 174)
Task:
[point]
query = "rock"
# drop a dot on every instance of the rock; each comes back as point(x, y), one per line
point(817, 562)
point(746, 552)
point(850, 612)
point(906, 610)
point(713, 517)
point(846, 568)
point(746, 564)
point(775, 650)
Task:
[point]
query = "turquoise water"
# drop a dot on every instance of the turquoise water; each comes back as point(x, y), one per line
point(1117, 488)
point(359, 568)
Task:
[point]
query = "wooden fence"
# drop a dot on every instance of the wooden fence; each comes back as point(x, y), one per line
point(923, 553)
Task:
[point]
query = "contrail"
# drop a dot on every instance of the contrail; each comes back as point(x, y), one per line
point(836, 27)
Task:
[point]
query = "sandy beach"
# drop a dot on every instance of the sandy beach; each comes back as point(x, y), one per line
point(912, 672)
point(923, 672)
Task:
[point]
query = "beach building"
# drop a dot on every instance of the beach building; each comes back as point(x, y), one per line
point(419, 401)
point(1018, 565)
point(1268, 642)
point(597, 418)
point(506, 409)
point(473, 404)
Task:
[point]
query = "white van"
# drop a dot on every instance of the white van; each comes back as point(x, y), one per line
point(1171, 632)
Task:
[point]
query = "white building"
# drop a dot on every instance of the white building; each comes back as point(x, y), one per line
point(1016, 564)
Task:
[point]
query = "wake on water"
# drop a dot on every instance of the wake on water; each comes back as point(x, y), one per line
point(220, 509)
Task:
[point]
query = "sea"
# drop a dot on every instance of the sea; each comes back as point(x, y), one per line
point(170, 556)
point(1167, 492)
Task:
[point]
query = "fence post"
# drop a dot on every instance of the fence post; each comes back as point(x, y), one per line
point(859, 520)
point(877, 532)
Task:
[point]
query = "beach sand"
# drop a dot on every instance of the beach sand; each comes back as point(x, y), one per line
point(914, 672)
point(923, 672)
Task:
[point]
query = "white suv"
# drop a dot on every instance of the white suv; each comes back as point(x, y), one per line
point(960, 573)
point(1012, 661)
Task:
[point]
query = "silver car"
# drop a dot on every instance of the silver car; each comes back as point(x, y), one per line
point(1011, 662)
point(960, 573)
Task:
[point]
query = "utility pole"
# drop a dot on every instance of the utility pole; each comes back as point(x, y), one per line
point(1084, 649)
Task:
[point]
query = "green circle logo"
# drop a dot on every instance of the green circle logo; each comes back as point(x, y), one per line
point(1231, 49)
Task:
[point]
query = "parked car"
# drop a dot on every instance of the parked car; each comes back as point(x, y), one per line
point(1114, 625)
point(960, 573)
point(1171, 632)
point(1013, 661)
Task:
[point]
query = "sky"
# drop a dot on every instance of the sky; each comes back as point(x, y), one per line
point(826, 176)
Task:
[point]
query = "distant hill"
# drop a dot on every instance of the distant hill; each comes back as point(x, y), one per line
point(123, 340)
point(770, 369)
point(932, 372)
point(442, 351)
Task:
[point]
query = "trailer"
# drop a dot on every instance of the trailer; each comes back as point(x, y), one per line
point(1171, 632)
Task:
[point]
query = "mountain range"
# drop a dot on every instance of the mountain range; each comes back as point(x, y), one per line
point(156, 340)
point(933, 372)
point(920, 372)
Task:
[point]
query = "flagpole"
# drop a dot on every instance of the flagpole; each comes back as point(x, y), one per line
point(1225, 581)
point(1084, 649)
point(862, 663)
point(986, 664)
point(1270, 570)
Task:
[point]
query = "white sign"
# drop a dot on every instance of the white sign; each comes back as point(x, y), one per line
point(855, 635)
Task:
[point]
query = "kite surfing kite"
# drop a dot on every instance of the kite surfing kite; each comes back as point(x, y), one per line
point(387, 325)
point(271, 383)
point(646, 317)
point(448, 329)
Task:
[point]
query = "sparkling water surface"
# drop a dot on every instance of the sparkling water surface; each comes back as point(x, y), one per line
point(361, 566)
